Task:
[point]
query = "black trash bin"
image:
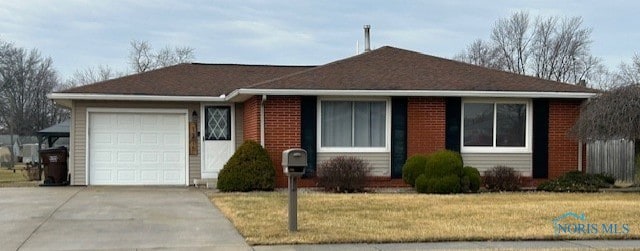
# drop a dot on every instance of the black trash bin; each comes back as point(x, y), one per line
point(55, 166)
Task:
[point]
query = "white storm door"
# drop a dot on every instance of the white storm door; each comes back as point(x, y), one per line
point(218, 140)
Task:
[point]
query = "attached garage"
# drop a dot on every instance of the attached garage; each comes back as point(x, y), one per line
point(137, 147)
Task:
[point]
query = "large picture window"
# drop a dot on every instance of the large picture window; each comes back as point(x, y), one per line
point(495, 125)
point(353, 124)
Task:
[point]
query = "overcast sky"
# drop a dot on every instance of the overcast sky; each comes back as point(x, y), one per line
point(78, 34)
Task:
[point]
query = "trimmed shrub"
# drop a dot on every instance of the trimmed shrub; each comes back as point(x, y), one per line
point(444, 185)
point(248, 169)
point(412, 168)
point(502, 178)
point(576, 181)
point(442, 172)
point(471, 180)
point(343, 174)
point(421, 184)
point(443, 163)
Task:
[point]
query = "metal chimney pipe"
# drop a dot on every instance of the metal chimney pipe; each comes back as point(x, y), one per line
point(367, 43)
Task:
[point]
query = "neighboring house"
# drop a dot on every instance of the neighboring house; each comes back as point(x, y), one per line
point(382, 106)
point(15, 142)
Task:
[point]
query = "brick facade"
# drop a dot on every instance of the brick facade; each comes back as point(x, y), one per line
point(426, 120)
point(563, 151)
point(251, 119)
point(426, 127)
point(282, 130)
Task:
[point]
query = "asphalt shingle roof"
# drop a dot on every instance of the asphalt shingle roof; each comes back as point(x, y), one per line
point(390, 68)
point(189, 79)
point(386, 68)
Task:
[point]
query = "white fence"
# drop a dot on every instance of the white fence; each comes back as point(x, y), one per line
point(613, 157)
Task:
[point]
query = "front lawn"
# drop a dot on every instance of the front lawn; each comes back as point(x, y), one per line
point(374, 218)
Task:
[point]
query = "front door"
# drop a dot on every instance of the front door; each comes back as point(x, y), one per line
point(218, 141)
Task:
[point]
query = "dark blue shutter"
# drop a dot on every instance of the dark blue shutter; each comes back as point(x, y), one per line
point(453, 123)
point(398, 135)
point(540, 138)
point(308, 107)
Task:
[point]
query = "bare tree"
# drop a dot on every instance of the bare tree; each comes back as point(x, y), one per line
point(551, 48)
point(561, 50)
point(602, 78)
point(25, 79)
point(90, 75)
point(629, 73)
point(143, 58)
point(614, 114)
point(480, 53)
point(511, 37)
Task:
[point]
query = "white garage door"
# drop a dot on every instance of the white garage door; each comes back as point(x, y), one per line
point(137, 149)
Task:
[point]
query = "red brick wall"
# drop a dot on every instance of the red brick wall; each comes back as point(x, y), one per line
point(251, 119)
point(282, 130)
point(563, 151)
point(425, 124)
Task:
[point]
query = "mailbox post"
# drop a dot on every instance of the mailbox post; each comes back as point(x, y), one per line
point(294, 161)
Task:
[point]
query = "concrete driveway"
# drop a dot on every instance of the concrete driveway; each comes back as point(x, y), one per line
point(123, 218)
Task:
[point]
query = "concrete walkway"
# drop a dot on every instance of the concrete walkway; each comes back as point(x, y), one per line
point(113, 218)
point(475, 245)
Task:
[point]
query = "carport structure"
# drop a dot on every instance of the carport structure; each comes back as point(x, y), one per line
point(53, 133)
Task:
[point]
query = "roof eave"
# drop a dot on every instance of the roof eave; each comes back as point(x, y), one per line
point(430, 93)
point(132, 97)
point(240, 95)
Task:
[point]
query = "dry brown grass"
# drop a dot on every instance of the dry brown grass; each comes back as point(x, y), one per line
point(13, 178)
point(374, 218)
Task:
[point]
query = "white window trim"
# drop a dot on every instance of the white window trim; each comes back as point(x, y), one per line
point(499, 149)
point(386, 148)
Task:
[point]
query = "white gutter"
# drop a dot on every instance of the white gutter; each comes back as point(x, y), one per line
point(431, 93)
point(133, 97)
point(317, 92)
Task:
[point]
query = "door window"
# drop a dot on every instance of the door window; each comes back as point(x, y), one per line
point(217, 123)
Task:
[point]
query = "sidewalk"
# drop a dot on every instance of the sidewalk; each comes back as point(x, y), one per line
point(475, 245)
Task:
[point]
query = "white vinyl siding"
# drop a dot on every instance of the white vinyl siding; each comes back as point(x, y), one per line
point(521, 162)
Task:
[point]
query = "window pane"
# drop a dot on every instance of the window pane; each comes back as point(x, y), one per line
point(369, 124)
point(218, 123)
point(478, 124)
point(510, 124)
point(336, 123)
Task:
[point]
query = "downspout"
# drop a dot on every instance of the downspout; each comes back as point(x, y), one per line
point(580, 155)
point(264, 99)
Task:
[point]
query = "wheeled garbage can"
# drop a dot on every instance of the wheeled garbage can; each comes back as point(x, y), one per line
point(55, 166)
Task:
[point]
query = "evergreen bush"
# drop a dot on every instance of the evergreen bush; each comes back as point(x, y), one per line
point(471, 180)
point(249, 168)
point(413, 167)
